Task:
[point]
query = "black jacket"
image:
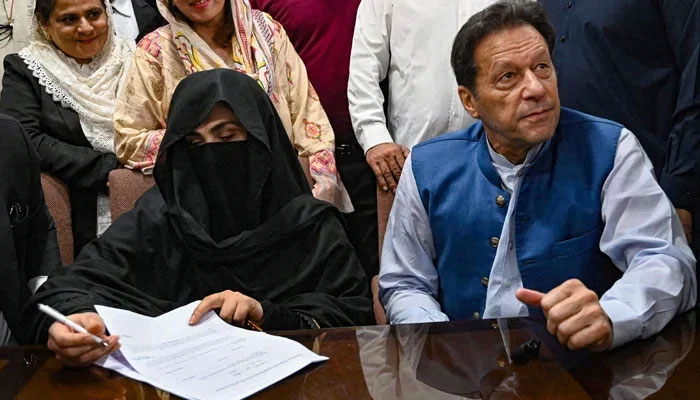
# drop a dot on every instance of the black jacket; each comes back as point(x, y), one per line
point(58, 138)
point(28, 246)
point(147, 17)
point(637, 63)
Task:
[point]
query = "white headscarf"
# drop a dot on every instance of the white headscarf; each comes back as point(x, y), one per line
point(89, 89)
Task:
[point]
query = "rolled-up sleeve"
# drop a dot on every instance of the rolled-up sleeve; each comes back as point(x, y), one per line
point(644, 238)
point(408, 279)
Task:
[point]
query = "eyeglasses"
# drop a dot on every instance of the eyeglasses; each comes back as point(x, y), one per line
point(6, 29)
point(5, 34)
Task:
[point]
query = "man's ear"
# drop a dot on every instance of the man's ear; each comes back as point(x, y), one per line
point(468, 101)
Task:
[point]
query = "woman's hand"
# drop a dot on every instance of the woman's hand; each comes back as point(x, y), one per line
point(79, 349)
point(235, 308)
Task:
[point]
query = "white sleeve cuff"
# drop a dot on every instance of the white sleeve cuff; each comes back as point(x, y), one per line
point(35, 283)
point(625, 326)
point(372, 134)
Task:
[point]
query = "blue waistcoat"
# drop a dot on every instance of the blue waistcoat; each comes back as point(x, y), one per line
point(557, 220)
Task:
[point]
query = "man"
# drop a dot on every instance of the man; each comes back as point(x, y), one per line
point(535, 203)
point(638, 63)
point(408, 43)
point(28, 245)
point(324, 46)
point(136, 18)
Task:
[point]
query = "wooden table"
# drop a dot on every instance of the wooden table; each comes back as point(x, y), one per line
point(422, 361)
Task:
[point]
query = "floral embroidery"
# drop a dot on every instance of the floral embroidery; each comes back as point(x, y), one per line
point(187, 53)
point(289, 76)
point(312, 130)
point(312, 93)
point(323, 163)
point(157, 86)
point(152, 147)
point(130, 90)
point(151, 43)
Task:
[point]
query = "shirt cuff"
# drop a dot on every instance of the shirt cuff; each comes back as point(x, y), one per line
point(35, 283)
point(682, 191)
point(626, 327)
point(372, 134)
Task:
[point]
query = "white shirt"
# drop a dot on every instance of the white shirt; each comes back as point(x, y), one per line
point(125, 20)
point(5, 334)
point(410, 42)
point(642, 236)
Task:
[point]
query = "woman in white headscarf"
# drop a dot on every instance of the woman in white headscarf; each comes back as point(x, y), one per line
point(63, 88)
point(210, 34)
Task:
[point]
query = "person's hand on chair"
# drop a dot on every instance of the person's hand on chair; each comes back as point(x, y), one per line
point(386, 161)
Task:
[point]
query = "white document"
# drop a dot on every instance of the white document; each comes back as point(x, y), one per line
point(210, 360)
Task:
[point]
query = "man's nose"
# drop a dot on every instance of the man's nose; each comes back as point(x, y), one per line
point(534, 87)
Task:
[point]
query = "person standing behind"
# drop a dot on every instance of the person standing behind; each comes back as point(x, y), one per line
point(135, 19)
point(638, 63)
point(324, 46)
point(408, 42)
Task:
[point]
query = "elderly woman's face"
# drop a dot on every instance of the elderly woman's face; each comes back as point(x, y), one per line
point(79, 28)
point(221, 126)
point(201, 11)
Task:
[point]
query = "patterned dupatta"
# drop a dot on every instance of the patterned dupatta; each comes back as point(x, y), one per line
point(252, 44)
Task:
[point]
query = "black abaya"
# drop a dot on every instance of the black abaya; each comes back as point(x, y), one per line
point(295, 260)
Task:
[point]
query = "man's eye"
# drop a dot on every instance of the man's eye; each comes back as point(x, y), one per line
point(506, 77)
point(542, 66)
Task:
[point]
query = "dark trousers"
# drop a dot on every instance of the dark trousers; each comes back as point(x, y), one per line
point(361, 225)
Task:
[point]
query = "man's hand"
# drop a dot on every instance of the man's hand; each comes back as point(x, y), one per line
point(574, 315)
point(687, 221)
point(79, 349)
point(235, 308)
point(386, 160)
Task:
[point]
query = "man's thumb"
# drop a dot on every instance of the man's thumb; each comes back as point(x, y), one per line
point(530, 297)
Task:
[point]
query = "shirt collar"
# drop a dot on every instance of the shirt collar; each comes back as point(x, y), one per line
point(123, 7)
point(501, 161)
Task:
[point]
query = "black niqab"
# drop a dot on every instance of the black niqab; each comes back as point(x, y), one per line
point(289, 251)
point(222, 173)
point(175, 175)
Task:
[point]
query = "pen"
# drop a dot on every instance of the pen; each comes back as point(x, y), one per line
point(65, 321)
point(252, 325)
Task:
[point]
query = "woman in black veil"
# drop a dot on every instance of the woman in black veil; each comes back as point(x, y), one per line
point(231, 220)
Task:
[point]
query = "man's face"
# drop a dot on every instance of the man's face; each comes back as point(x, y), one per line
point(517, 98)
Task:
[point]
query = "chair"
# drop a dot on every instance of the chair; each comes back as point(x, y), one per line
point(384, 202)
point(125, 187)
point(57, 199)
